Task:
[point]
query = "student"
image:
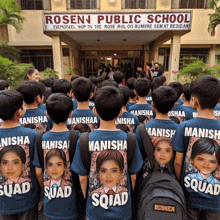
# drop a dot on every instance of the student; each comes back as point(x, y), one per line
point(178, 111)
point(57, 198)
point(108, 104)
point(62, 86)
point(186, 98)
point(4, 85)
point(157, 71)
point(32, 75)
point(142, 108)
point(41, 104)
point(130, 85)
point(118, 78)
point(127, 118)
point(17, 172)
point(164, 98)
point(204, 99)
point(82, 92)
point(140, 72)
point(32, 99)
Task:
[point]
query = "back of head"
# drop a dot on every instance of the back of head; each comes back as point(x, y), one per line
point(10, 102)
point(164, 98)
point(59, 106)
point(93, 79)
point(61, 86)
point(108, 102)
point(30, 90)
point(149, 64)
point(130, 83)
point(4, 84)
point(177, 87)
point(156, 83)
point(142, 87)
point(127, 93)
point(163, 78)
point(82, 88)
point(118, 77)
point(74, 77)
point(108, 82)
point(99, 80)
point(48, 82)
point(207, 90)
point(187, 91)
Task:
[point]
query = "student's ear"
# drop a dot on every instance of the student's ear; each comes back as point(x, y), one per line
point(73, 95)
point(95, 112)
point(47, 114)
point(69, 93)
point(153, 106)
point(120, 113)
point(194, 102)
point(135, 93)
point(70, 114)
point(183, 96)
point(91, 95)
point(38, 99)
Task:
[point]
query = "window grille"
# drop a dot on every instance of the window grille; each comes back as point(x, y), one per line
point(82, 4)
point(31, 4)
point(138, 4)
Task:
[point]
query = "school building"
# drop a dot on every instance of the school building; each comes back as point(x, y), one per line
point(81, 34)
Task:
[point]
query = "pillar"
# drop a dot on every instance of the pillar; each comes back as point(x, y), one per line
point(174, 57)
point(57, 55)
point(212, 53)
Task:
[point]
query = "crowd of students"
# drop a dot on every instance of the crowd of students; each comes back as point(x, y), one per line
point(71, 145)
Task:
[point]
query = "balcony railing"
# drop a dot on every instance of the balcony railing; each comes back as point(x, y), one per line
point(138, 4)
point(82, 4)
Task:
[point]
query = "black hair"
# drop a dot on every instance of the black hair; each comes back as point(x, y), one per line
point(93, 79)
point(177, 87)
point(163, 78)
point(108, 102)
point(118, 77)
point(42, 88)
point(56, 153)
point(164, 98)
point(149, 64)
point(4, 84)
point(59, 106)
point(61, 86)
point(48, 82)
point(156, 63)
point(106, 155)
point(18, 150)
point(30, 90)
point(187, 91)
point(10, 102)
point(99, 80)
point(207, 90)
point(175, 119)
point(206, 146)
point(122, 127)
point(126, 93)
point(48, 92)
point(29, 72)
point(82, 89)
point(140, 66)
point(74, 77)
point(130, 83)
point(142, 87)
point(156, 83)
point(82, 128)
point(108, 82)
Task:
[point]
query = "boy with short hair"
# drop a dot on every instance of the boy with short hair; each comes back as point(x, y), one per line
point(117, 205)
point(178, 111)
point(62, 86)
point(57, 162)
point(82, 92)
point(142, 108)
point(118, 77)
point(131, 121)
point(19, 200)
point(4, 84)
point(202, 201)
point(34, 117)
point(130, 85)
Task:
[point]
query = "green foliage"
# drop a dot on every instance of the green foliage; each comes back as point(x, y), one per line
point(9, 52)
point(10, 13)
point(71, 71)
point(193, 68)
point(214, 19)
point(12, 72)
point(50, 73)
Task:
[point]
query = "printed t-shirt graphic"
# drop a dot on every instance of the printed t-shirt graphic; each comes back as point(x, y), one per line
point(18, 184)
point(59, 191)
point(109, 192)
point(37, 120)
point(217, 112)
point(201, 193)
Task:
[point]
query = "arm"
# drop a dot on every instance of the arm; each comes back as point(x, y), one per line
point(39, 174)
point(133, 180)
point(178, 164)
point(83, 182)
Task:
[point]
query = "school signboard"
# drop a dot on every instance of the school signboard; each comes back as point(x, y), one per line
point(117, 21)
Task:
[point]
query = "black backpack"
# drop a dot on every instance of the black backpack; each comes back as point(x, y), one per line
point(160, 194)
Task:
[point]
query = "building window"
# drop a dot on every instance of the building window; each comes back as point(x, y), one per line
point(83, 4)
point(194, 3)
point(139, 4)
point(31, 4)
point(41, 59)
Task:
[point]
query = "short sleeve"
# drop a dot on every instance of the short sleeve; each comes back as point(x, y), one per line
point(36, 161)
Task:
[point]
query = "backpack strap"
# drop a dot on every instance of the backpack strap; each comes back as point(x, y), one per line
point(40, 152)
point(72, 145)
point(148, 146)
point(131, 147)
point(84, 149)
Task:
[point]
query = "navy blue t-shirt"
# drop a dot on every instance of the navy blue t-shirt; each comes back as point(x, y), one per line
point(201, 193)
point(19, 191)
point(217, 112)
point(181, 113)
point(108, 197)
point(60, 200)
point(149, 99)
point(129, 104)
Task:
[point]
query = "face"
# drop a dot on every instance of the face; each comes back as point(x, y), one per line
point(55, 168)
point(205, 163)
point(156, 66)
point(11, 166)
point(35, 76)
point(109, 173)
point(163, 152)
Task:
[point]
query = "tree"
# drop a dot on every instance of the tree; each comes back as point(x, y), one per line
point(10, 13)
point(215, 17)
